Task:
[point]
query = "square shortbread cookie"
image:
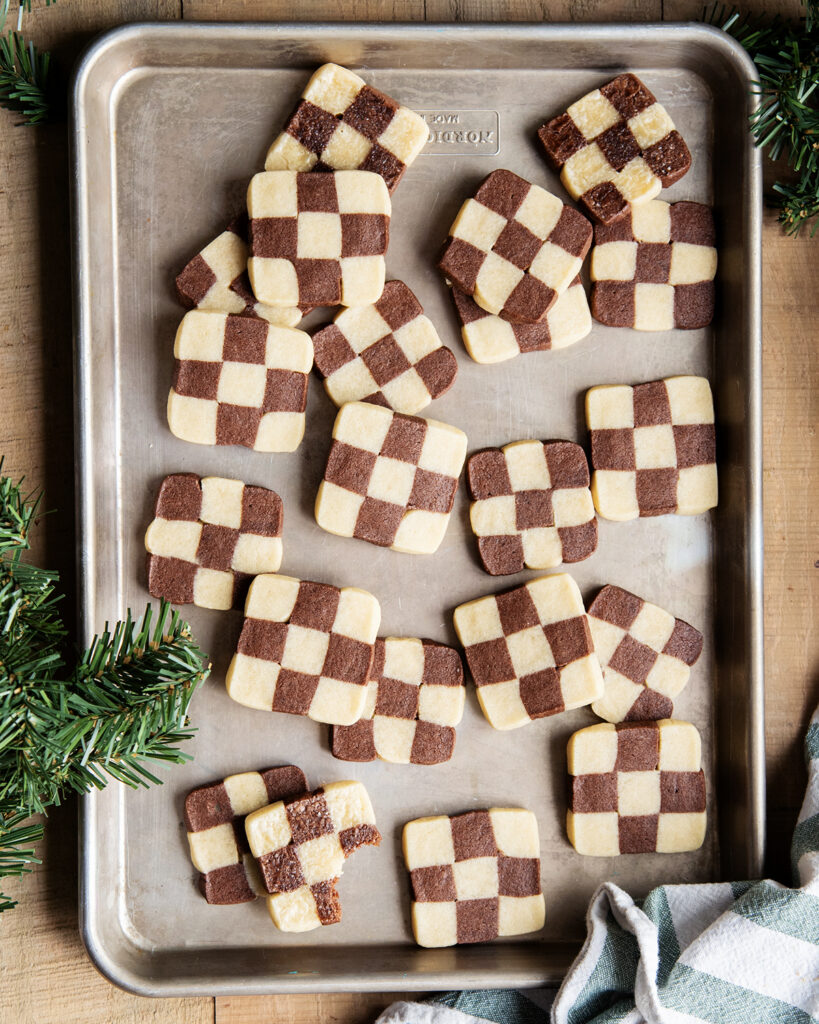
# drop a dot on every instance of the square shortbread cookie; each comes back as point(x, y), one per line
point(475, 876)
point(208, 537)
point(239, 380)
point(305, 649)
point(491, 339)
point(615, 146)
point(653, 268)
point(318, 239)
point(387, 353)
point(415, 698)
point(531, 505)
point(530, 651)
point(301, 844)
point(646, 655)
point(215, 824)
point(515, 248)
point(637, 787)
point(216, 279)
point(390, 479)
point(652, 448)
point(341, 123)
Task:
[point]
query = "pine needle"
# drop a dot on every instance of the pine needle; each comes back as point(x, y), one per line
point(121, 707)
point(786, 121)
point(23, 71)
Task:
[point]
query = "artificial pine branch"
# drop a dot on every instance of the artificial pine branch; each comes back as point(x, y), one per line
point(122, 705)
point(16, 846)
point(786, 122)
point(23, 71)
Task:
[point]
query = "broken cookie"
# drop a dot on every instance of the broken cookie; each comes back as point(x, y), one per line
point(215, 824)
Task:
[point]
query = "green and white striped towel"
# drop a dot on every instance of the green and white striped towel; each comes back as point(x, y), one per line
point(731, 953)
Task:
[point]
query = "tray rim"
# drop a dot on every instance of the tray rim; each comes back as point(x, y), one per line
point(235, 984)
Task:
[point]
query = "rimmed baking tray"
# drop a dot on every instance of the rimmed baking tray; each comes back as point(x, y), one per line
point(170, 121)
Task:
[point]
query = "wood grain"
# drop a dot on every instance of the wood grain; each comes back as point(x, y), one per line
point(44, 973)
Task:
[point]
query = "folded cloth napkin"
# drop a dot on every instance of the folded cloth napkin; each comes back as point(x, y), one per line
point(726, 953)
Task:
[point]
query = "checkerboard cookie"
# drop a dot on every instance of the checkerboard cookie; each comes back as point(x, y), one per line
point(530, 651)
point(652, 448)
point(305, 649)
point(475, 876)
point(216, 279)
point(318, 239)
point(614, 147)
point(654, 268)
point(491, 339)
point(208, 537)
point(239, 380)
point(390, 479)
point(301, 844)
point(215, 824)
point(415, 698)
point(515, 248)
point(387, 353)
point(646, 655)
point(341, 123)
point(637, 787)
point(531, 505)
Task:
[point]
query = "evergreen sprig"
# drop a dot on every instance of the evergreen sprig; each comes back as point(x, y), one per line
point(786, 121)
point(23, 71)
point(69, 728)
point(17, 840)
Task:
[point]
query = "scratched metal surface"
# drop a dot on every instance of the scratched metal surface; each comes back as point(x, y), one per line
point(170, 124)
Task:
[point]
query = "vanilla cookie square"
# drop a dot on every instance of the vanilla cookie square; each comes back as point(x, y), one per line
point(475, 876)
point(530, 651)
point(305, 649)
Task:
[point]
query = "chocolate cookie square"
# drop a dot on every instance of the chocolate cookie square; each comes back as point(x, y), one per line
point(214, 822)
point(652, 448)
point(305, 649)
point(515, 248)
point(475, 876)
point(415, 698)
point(646, 655)
point(341, 123)
point(318, 239)
point(300, 845)
point(653, 269)
point(209, 535)
point(637, 787)
point(531, 506)
point(614, 147)
point(530, 651)
point(239, 380)
point(390, 479)
point(387, 353)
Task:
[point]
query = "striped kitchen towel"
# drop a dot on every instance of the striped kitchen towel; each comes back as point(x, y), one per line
point(731, 953)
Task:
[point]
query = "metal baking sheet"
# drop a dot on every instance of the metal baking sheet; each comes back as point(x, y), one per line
point(170, 123)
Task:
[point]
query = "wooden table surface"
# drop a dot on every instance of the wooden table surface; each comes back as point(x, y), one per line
point(45, 975)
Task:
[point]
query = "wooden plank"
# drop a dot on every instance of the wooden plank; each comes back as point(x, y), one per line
point(341, 1008)
point(691, 10)
point(791, 499)
point(429, 10)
